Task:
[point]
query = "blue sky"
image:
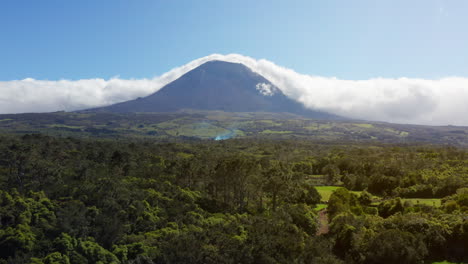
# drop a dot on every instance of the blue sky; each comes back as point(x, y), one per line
point(353, 40)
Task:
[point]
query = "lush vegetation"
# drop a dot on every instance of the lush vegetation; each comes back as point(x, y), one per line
point(68, 200)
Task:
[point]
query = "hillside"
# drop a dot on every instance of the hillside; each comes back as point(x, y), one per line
point(224, 125)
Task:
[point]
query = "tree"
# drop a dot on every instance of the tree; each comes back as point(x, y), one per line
point(343, 200)
point(278, 177)
point(395, 246)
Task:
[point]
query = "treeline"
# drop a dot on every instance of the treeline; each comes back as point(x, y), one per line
point(422, 172)
point(65, 200)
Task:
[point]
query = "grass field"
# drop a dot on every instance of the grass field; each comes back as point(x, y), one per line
point(209, 124)
point(66, 126)
point(320, 207)
point(202, 130)
point(430, 202)
point(326, 191)
point(364, 125)
point(268, 131)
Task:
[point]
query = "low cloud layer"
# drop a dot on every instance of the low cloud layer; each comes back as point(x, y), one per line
point(403, 100)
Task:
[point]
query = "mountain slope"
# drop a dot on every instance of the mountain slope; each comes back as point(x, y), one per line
point(218, 85)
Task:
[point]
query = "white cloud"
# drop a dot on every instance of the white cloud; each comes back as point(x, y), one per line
point(403, 100)
point(265, 89)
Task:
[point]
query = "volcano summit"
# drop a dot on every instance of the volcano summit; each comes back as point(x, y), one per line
point(218, 85)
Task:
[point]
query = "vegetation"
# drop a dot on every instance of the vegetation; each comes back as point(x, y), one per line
point(69, 200)
point(196, 125)
point(326, 191)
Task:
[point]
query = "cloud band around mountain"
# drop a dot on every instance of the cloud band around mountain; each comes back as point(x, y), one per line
point(402, 100)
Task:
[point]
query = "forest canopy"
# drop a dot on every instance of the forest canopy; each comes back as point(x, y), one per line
point(68, 200)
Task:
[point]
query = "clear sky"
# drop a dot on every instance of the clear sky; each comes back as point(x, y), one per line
point(353, 40)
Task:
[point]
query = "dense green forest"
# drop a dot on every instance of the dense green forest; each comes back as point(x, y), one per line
point(69, 200)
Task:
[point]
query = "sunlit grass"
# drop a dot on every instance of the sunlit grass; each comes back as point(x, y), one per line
point(320, 207)
point(268, 131)
point(326, 191)
point(65, 126)
point(425, 201)
point(203, 130)
point(364, 125)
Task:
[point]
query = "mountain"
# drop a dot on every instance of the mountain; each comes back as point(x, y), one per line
point(218, 85)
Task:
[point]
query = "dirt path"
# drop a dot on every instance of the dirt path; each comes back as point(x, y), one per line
point(322, 222)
